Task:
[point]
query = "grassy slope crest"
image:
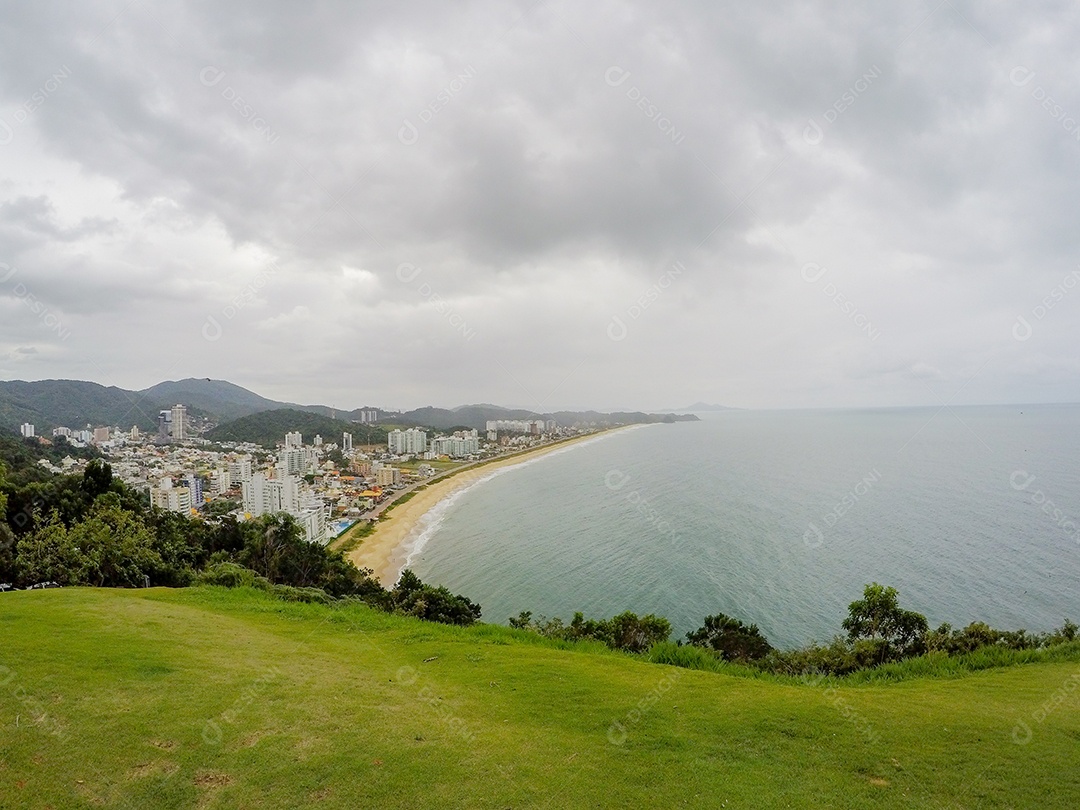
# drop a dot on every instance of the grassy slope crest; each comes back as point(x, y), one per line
point(215, 698)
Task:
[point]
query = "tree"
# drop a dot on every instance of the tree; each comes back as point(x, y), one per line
point(269, 542)
point(879, 619)
point(7, 538)
point(413, 597)
point(115, 546)
point(731, 638)
point(47, 554)
point(97, 478)
point(635, 633)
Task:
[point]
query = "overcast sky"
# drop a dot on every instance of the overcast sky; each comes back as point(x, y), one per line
point(545, 205)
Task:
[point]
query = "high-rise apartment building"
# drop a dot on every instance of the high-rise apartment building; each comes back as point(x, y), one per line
point(179, 422)
point(167, 496)
point(26, 430)
point(164, 426)
point(239, 471)
point(401, 442)
point(292, 460)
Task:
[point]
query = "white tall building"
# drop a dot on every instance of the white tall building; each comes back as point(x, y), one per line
point(534, 426)
point(294, 439)
point(239, 471)
point(462, 443)
point(387, 477)
point(346, 442)
point(179, 422)
point(292, 460)
point(268, 496)
point(401, 442)
point(221, 480)
point(27, 430)
point(174, 499)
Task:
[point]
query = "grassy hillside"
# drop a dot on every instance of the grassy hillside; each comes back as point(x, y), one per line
point(211, 698)
point(268, 428)
point(72, 403)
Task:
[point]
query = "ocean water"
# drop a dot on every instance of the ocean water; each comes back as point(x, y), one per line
point(780, 518)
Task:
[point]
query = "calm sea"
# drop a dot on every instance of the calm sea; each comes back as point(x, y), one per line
point(779, 518)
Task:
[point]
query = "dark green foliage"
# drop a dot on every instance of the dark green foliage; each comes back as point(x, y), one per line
point(732, 639)
point(627, 631)
point(97, 478)
point(231, 575)
point(219, 507)
point(413, 597)
point(878, 618)
point(21, 457)
point(269, 428)
point(110, 548)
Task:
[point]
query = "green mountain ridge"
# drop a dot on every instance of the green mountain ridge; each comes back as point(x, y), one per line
point(73, 403)
point(268, 428)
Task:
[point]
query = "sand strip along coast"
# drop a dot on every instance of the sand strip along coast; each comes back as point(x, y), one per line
point(384, 550)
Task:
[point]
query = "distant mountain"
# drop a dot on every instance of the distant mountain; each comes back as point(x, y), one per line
point(225, 400)
point(73, 403)
point(268, 428)
point(704, 406)
point(470, 416)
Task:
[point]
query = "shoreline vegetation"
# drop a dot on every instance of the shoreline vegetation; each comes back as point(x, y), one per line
point(380, 545)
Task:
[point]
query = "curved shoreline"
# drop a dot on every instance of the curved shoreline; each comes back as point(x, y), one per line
point(385, 550)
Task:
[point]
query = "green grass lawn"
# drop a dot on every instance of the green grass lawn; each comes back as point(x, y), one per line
point(226, 699)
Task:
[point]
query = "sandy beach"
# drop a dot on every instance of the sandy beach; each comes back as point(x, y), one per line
point(384, 550)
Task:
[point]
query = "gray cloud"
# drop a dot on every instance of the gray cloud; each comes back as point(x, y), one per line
point(610, 205)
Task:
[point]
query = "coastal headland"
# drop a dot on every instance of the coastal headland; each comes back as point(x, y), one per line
point(385, 548)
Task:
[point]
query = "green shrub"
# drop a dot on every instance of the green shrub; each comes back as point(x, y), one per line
point(290, 594)
point(231, 575)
